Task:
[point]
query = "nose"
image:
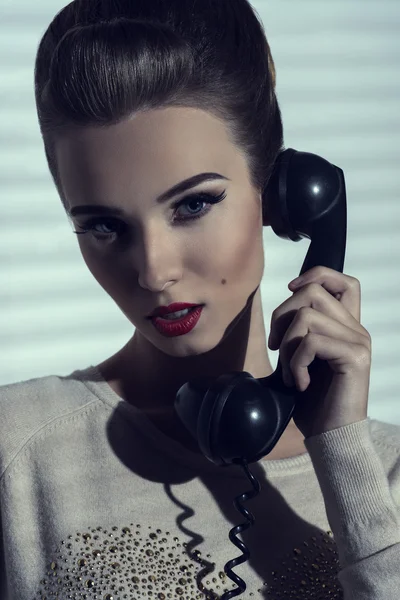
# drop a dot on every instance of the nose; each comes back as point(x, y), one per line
point(159, 261)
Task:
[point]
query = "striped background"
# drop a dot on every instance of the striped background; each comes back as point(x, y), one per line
point(339, 89)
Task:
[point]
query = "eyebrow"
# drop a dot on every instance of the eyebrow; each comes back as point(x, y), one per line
point(178, 188)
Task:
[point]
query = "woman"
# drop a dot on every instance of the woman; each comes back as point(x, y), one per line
point(104, 492)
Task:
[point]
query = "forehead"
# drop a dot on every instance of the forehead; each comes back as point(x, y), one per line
point(146, 153)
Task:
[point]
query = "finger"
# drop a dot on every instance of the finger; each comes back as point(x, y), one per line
point(335, 283)
point(343, 357)
point(316, 297)
point(310, 321)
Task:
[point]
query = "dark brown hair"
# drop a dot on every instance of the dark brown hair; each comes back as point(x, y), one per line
point(101, 61)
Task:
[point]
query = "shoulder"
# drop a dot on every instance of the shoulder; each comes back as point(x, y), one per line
point(386, 433)
point(386, 439)
point(26, 407)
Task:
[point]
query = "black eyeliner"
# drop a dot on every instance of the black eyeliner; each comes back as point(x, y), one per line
point(207, 197)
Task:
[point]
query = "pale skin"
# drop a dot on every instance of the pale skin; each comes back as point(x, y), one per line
point(216, 260)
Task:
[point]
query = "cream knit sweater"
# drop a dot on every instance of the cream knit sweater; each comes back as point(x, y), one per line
point(95, 500)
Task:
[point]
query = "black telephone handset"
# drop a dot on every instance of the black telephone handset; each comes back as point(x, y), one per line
point(236, 418)
point(239, 418)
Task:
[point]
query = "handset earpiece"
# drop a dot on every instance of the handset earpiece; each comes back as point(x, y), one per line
point(237, 418)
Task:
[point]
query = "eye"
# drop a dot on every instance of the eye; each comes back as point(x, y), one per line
point(206, 198)
point(89, 226)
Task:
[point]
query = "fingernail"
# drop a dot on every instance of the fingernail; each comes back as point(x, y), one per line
point(296, 282)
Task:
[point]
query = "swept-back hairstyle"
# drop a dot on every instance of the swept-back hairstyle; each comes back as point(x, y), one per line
point(102, 61)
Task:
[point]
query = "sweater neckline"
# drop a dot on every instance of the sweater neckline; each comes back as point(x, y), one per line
point(93, 379)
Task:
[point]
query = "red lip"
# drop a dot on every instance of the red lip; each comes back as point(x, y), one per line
point(160, 311)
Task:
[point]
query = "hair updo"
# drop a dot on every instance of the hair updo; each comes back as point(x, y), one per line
point(101, 61)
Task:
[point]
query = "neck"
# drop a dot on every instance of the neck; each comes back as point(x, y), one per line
point(243, 348)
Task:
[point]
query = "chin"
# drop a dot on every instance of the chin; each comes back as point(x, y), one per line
point(183, 346)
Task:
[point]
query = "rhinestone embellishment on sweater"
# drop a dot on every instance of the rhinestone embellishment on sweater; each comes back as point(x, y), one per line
point(134, 564)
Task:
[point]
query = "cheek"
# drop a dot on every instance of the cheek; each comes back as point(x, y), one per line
point(232, 254)
point(103, 272)
point(237, 255)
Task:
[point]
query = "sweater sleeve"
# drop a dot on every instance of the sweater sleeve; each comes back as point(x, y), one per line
point(361, 510)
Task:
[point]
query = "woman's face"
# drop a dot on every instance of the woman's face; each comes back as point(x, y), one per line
point(158, 253)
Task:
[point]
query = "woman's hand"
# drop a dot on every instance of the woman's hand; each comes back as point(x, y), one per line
point(322, 319)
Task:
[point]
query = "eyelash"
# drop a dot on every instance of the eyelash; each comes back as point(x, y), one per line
point(206, 197)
